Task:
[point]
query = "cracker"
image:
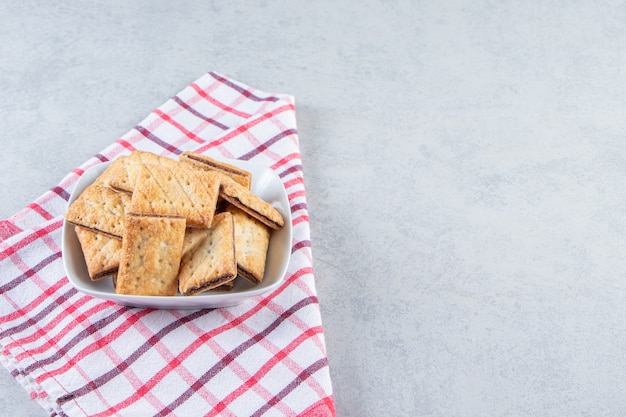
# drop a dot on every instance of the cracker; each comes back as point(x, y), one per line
point(111, 172)
point(150, 257)
point(197, 160)
point(247, 201)
point(126, 174)
point(211, 263)
point(193, 237)
point(182, 192)
point(101, 209)
point(101, 252)
point(251, 243)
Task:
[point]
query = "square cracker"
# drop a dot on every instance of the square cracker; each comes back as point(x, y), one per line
point(200, 161)
point(247, 201)
point(150, 257)
point(101, 209)
point(182, 192)
point(194, 236)
point(101, 252)
point(124, 176)
point(211, 260)
point(251, 242)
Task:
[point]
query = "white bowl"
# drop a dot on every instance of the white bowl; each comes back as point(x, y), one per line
point(265, 184)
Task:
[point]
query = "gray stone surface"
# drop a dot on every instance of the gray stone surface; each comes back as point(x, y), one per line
point(464, 164)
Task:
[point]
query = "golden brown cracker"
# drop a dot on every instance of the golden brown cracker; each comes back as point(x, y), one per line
point(101, 252)
point(150, 258)
point(247, 201)
point(195, 236)
point(211, 262)
point(180, 192)
point(101, 209)
point(251, 243)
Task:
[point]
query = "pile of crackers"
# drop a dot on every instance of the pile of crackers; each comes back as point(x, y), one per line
point(160, 226)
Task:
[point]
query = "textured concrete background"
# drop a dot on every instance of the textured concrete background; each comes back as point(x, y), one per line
point(464, 164)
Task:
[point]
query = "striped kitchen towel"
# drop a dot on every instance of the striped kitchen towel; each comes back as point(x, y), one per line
point(82, 356)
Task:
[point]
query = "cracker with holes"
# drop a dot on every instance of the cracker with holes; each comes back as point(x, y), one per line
point(100, 209)
point(125, 174)
point(210, 263)
point(184, 192)
point(150, 258)
point(101, 252)
point(193, 238)
point(251, 242)
point(241, 176)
